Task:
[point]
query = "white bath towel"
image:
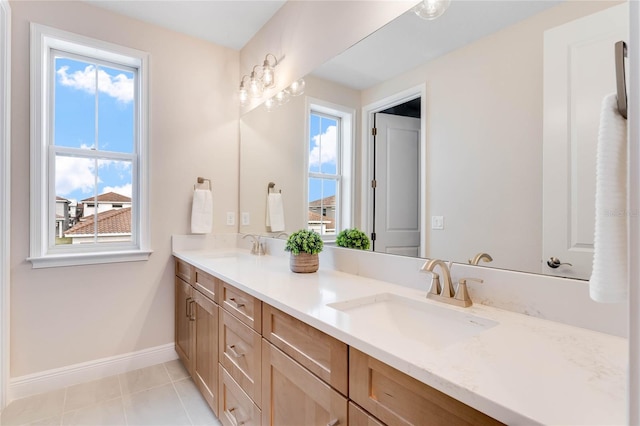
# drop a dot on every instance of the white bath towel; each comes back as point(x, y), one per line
point(275, 212)
point(202, 212)
point(608, 281)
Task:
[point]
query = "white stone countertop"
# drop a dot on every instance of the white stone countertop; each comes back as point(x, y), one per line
point(522, 371)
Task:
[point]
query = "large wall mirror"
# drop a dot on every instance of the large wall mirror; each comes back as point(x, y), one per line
point(487, 122)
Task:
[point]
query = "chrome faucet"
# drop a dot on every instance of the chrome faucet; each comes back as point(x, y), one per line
point(281, 234)
point(480, 256)
point(445, 293)
point(257, 247)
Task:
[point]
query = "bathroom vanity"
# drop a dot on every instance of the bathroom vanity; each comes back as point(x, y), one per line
point(261, 342)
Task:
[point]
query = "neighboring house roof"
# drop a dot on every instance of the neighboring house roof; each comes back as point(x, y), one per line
point(108, 197)
point(115, 221)
point(324, 202)
point(58, 198)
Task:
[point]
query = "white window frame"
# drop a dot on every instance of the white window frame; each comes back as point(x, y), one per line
point(43, 252)
point(345, 192)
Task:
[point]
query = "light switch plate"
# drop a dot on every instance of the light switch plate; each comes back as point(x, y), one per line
point(231, 218)
point(437, 222)
point(246, 219)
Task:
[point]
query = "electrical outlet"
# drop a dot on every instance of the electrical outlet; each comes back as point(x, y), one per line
point(437, 222)
point(246, 219)
point(231, 218)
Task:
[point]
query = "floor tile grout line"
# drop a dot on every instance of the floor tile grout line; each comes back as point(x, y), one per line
point(173, 385)
point(124, 411)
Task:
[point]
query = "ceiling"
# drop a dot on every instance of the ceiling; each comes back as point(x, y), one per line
point(224, 22)
point(409, 41)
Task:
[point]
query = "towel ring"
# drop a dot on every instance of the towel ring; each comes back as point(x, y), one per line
point(270, 188)
point(201, 181)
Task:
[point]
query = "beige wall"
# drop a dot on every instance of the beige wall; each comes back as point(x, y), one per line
point(63, 316)
point(484, 141)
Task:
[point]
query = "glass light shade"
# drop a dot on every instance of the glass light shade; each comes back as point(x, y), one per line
point(243, 95)
point(268, 76)
point(431, 9)
point(297, 87)
point(282, 97)
point(270, 104)
point(255, 86)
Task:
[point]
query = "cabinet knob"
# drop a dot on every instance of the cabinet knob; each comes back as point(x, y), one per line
point(334, 422)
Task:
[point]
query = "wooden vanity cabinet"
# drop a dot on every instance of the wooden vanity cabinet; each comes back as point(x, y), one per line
point(236, 407)
point(323, 355)
point(184, 327)
point(359, 417)
point(398, 399)
point(196, 330)
point(292, 395)
point(241, 354)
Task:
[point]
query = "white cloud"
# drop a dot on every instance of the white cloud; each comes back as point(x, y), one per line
point(119, 86)
point(122, 190)
point(74, 173)
point(329, 148)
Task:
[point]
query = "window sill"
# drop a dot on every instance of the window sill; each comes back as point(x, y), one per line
point(55, 261)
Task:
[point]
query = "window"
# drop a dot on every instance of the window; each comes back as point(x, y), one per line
point(88, 151)
point(329, 168)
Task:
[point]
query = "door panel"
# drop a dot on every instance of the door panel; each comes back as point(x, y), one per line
point(397, 192)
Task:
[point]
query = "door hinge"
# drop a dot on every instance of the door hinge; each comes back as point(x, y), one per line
point(374, 131)
point(373, 236)
point(374, 183)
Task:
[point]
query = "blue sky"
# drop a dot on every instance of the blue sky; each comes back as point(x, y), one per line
point(76, 126)
point(322, 155)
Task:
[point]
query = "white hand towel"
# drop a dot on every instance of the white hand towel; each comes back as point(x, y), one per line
point(608, 281)
point(275, 212)
point(202, 212)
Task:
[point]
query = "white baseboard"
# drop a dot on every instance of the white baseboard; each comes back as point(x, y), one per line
point(33, 384)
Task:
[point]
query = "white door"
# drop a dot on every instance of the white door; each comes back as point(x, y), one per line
point(579, 71)
point(396, 213)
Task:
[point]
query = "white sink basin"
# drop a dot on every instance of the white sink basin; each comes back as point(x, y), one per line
point(413, 319)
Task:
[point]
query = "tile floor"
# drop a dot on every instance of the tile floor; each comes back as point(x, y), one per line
point(162, 394)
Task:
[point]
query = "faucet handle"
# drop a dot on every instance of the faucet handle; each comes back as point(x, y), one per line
point(461, 292)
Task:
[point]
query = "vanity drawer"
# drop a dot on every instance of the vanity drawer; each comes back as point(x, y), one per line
point(207, 284)
point(323, 355)
point(236, 408)
point(241, 354)
point(184, 270)
point(243, 306)
point(395, 398)
point(291, 395)
point(359, 417)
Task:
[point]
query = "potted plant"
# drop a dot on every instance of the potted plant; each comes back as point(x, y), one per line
point(304, 246)
point(353, 238)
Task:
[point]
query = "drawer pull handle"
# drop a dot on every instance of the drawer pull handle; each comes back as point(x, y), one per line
point(333, 422)
point(186, 307)
point(232, 349)
point(192, 316)
point(232, 411)
point(237, 305)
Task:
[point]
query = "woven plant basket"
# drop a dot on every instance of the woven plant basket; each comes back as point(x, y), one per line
point(303, 263)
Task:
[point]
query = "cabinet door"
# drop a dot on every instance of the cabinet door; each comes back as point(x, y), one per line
point(205, 365)
point(292, 396)
point(398, 399)
point(184, 324)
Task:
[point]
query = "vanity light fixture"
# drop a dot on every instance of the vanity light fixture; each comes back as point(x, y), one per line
point(262, 77)
point(256, 86)
point(243, 94)
point(268, 72)
point(431, 9)
point(297, 87)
